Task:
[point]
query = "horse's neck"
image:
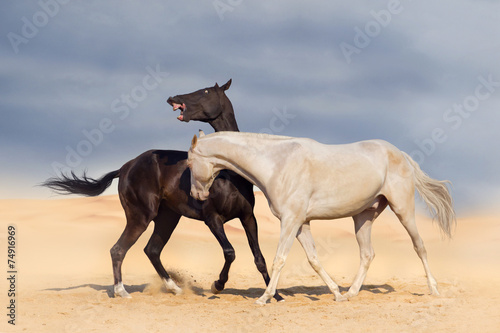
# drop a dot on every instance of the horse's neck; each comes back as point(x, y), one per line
point(226, 121)
point(251, 164)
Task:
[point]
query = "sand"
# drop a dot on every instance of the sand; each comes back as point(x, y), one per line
point(64, 277)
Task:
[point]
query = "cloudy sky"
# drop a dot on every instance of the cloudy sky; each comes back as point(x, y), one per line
point(83, 84)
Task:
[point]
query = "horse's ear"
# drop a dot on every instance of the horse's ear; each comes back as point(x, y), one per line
point(216, 85)
point(194, 141)
point(227, 85)
point(201, 133)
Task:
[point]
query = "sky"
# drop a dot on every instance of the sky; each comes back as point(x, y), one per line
point(83, 85)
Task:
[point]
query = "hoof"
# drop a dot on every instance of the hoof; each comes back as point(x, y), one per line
point(177, 291)
point(341, 298)
point(433, 287)
point(214, 289)
point(278, 298)
point(170, 285)
point(435, 292)
point(123, 294)
point(119, 291)
point(259, 302)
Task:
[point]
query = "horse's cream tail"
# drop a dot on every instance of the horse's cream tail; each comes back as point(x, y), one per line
point(436, 196)
point(172, 286)
point(119, 291)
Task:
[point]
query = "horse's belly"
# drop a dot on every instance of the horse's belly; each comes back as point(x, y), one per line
point(332, 202)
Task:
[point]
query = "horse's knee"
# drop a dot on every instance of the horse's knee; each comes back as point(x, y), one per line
point(278, 263)
point(367, 257)
point(229, 255)
point(152, 252)
point(260, 262)
point(116, 252)
point(315, 264)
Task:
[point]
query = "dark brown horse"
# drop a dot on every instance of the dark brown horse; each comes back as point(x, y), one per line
point(155, 186)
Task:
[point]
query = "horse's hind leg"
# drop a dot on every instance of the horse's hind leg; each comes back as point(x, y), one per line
point(306, 240)
point(165, 223)
point(363, 226)
point(406, 214)
point(250, 225)
point(135, 227)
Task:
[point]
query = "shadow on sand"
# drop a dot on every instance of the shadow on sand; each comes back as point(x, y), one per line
point(311, 292)
point(108, 289)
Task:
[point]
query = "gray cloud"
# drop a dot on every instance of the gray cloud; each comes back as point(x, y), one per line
point(282, 55)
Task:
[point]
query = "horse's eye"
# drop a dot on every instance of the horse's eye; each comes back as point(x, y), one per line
point(206, 91)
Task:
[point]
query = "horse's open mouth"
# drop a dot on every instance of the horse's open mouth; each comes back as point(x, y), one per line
point(181, 107)
point(177, 106)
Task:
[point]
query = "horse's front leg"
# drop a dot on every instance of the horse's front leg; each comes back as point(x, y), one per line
point(216, 225)
point(289, 228)
point(165, 223)
point(306, 240)
point(250, 225)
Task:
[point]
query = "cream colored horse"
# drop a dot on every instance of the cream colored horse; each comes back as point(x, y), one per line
point(304, 180)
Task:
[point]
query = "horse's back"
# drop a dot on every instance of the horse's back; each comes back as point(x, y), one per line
point(151, 171)
point(345, 179)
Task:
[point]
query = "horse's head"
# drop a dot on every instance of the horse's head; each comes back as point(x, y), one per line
point(204, 105)
point(203, 172)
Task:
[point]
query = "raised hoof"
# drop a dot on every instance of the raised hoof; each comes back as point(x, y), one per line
point(214, 289)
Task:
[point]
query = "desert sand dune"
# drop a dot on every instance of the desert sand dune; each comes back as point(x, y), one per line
point(64, 279)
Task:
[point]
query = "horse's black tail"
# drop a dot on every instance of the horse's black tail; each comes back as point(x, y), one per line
point(72, 184)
